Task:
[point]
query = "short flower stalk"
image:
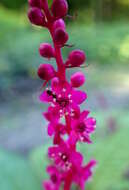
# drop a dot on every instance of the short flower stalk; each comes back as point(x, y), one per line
point(64, 99)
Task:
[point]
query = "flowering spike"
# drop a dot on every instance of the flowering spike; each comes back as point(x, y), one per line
point(67, 124)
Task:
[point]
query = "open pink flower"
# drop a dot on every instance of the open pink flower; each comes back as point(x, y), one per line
point(54, 127)
point(65, 156)
point(55, 179)
point(64, 98)
point(84, 126)
point(83, 174)
point(51, 115)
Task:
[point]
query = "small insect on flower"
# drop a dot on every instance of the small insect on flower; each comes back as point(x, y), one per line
point(65, 99)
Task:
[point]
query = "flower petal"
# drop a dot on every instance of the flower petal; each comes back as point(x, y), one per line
point(50, 129)
point(79, 96)
point(84, 114)
point(44, 97)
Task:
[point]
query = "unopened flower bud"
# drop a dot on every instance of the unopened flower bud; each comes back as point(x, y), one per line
point(55, 83)
point(60, 36)
point(35, 3)
point(46, 72)
point(36, 16)
point(77, 79)
point(59, 24)
point(76, 58)
point(59, 8)
point(46, 50)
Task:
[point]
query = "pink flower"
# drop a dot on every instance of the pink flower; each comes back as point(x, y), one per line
point(83, 126)
point(83, 174)
point(55, 179)
point(64, 98)
point(55, 128)
point(65, 156)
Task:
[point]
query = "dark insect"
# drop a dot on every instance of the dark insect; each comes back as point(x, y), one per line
point(49, 92)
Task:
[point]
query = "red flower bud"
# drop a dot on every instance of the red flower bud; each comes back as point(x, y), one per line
point(77, 79)
point(76, 58)
point(46, 50)
point(60, 36)
point(59, 24)
point(35, 3)
point(46, 72)
point(59, 8)
point(55, 83)
point(36, 16)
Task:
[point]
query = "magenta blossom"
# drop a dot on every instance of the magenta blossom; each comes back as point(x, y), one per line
point(65, 156)
point(83, 174)
point(83, 126)
point(55, 179)
point(64, 98)
point(54, 127)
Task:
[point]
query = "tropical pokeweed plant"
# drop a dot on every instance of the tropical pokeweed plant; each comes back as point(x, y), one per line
point(67, 124)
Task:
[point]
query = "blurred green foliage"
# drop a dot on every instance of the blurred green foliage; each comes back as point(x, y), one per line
point(14, 4)
point(114, 8)
point(16, 173)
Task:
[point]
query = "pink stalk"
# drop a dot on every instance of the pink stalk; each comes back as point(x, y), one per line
point(64, 100)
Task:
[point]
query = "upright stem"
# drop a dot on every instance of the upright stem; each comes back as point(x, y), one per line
point(59, 58)
point(46, 10)
point(62, 76)
point(68, 123)
point(68, 182)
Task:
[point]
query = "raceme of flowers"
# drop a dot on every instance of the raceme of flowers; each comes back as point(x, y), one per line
point(67, 124)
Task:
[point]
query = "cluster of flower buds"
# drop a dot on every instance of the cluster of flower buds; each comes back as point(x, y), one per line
point(67, 124)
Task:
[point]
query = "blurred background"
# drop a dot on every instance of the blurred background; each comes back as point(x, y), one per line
point(101, 29)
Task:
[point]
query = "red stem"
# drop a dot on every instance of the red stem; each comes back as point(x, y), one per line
point(59, 59)
point(62, 76)
point(46, 10)
point(68, 182)
point(68, 123)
